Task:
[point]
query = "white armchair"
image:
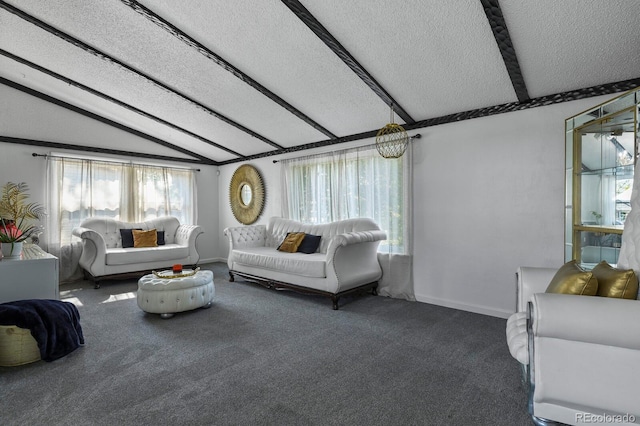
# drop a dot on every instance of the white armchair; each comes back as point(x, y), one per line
point(580, 354)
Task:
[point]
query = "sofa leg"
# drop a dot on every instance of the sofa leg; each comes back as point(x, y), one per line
point(374, 291)
point(88, 277)
point(231, 277)
point(335, 302)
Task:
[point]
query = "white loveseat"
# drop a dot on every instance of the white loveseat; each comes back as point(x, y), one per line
point(580, 354)
point(103, 256)
point(346, 260)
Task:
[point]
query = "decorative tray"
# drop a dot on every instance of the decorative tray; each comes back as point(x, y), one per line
point(169, 274)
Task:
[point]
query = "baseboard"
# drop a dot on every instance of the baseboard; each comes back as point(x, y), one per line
point(212, 260)
point(478, 309)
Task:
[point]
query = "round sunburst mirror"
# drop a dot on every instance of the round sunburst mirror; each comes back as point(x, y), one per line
point(246, 194)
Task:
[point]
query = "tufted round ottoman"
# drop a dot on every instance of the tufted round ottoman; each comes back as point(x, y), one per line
point(168, 296)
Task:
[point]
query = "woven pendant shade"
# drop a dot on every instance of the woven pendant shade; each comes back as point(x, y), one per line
point(392, 140)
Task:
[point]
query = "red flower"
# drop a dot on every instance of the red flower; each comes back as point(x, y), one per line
point(10, 230)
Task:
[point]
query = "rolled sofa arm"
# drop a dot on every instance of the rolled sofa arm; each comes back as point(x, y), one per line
point(531, 280)
point(94, 250)
point(186, 235)
point(86, 233)
point(584, 352)
point(246, 236)
point(353, 257)
point(356, 238)
point(589, 319)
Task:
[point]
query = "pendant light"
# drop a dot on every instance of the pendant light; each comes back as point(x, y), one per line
point(392, 139)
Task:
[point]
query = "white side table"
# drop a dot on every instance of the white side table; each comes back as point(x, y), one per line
point(33, 276)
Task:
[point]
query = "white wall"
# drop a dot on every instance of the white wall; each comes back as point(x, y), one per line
point(488, 197)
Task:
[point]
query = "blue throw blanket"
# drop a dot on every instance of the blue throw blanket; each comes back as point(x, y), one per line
point(54, 324)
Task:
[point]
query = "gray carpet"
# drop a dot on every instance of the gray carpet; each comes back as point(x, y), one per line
point(266, 357)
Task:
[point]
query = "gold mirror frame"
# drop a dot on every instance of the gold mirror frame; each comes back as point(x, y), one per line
point(246, 213)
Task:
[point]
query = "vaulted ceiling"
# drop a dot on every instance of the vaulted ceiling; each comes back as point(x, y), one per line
point(221, 81)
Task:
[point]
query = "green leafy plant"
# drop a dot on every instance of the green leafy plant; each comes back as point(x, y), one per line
point(16, 213)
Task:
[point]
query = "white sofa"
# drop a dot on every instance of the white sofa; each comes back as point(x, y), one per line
point(345, 261)
point(580, 354)
point(103, 256)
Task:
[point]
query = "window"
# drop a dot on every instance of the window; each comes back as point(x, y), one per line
point(351, 183)
point(82, 188)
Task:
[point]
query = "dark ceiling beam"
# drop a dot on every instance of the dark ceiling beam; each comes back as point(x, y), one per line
point(92, 50)
point(501, 34)
point(573, 95)
point(208, 53)
point(115, 101)
point(76, 109)
point(314, 25)
point(58, 145)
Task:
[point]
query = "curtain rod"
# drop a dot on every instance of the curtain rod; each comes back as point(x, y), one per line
point(106, 161)
point(416, 136)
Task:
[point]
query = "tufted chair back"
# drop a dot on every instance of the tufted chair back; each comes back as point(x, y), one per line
point(110, 228)
point(248, 236)
point(278, 228)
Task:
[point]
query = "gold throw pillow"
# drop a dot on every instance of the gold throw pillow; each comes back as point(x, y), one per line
point(572, 279)
point(614, 282)
point(292, 242)
point(145, 238)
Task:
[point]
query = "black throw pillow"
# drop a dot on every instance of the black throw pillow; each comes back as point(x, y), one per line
point(160, 238)
point(127, 237)
point(309, 244)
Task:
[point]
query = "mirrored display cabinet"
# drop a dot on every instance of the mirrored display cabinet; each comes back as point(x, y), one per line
point(601, 153)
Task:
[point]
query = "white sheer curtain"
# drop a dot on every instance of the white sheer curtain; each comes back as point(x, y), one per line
point(81, 188)
point(160, 191)
point(358, 183)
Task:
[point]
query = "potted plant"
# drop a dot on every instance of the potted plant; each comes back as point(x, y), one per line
point(16, 215)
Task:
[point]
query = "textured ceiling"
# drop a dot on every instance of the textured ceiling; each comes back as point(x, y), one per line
point(215, 82)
